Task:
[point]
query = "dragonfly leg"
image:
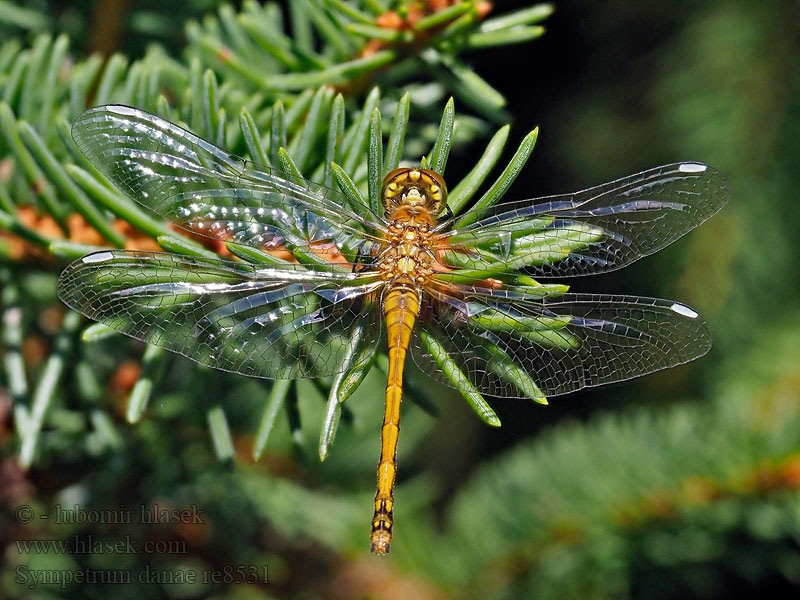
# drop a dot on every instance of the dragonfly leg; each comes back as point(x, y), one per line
point(362, 258)
point(445, 221)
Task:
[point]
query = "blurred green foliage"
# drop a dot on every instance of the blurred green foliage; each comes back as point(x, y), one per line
point(683, 485)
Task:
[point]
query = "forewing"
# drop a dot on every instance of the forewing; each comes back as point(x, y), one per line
point(200, 187)
point(593, 231)
point(277, 322)
point(560, 342)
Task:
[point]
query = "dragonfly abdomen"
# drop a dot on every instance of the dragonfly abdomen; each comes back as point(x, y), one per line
point(412, 198)
point(401, 307)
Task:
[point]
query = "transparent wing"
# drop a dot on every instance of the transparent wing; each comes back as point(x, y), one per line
point(559, 342)
point(593, 231)
point(277, 322)
point(207, 190)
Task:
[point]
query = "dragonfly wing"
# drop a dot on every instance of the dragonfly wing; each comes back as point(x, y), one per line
point(286, 321)
point(200, 187)
point(593, 231)
point(558, 342)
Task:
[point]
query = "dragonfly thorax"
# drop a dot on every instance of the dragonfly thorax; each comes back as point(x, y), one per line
point(408, 257)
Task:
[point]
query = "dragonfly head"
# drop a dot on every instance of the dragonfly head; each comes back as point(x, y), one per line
point(413, 190)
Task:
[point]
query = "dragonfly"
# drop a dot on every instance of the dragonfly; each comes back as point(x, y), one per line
point(336, 281)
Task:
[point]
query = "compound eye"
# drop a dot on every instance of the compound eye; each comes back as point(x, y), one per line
point(393, 186)
point(439, 181)
point(394, 180)
point(436, 189)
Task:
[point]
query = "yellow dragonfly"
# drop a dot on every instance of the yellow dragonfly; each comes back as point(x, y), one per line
point(334, 278)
